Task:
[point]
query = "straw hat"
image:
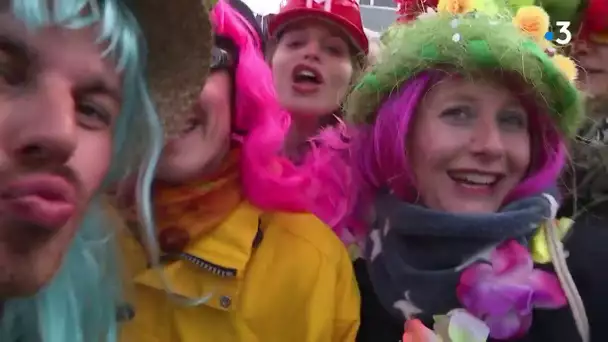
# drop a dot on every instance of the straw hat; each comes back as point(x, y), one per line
point(179, 39)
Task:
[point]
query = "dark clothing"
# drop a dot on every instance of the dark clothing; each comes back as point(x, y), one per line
point(588, 251)
point(418, 254)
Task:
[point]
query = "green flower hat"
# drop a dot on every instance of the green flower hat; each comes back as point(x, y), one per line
point(472, 42)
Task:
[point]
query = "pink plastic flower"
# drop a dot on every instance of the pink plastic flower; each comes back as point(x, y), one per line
point(416, 331)
point(504, 292)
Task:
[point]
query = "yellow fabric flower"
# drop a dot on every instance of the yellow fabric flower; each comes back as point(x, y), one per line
point(455, 6)
point(533, 21)
point(538, 246)
point(567, 66)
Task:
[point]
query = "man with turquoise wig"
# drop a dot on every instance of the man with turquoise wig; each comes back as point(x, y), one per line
point(75, 117)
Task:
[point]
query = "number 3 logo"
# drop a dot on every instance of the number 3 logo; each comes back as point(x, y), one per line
point(565, 34)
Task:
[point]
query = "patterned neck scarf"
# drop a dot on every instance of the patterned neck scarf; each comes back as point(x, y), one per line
point(199, 206)
point(194, 207)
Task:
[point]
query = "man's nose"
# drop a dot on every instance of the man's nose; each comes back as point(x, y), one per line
point(46, 124)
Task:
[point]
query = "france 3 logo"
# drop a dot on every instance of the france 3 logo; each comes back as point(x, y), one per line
point(563, 37)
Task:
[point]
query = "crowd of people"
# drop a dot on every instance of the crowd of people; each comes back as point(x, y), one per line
point(446, 181)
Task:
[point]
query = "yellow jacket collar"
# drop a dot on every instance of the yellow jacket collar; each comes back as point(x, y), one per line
point(215, 263)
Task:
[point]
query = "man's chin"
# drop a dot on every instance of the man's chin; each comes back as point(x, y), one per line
point(25, 275)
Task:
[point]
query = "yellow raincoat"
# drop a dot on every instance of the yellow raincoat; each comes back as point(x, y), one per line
point(296, 285)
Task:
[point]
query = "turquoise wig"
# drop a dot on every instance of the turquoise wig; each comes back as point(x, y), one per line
point(80, 303)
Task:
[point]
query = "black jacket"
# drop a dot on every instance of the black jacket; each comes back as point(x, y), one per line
point(588, 261)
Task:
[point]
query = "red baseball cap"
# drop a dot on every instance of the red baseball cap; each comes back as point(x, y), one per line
point(344, 13)
point(595, 21)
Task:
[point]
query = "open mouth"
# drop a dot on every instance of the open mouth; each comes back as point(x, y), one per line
point(306, 75)
point(199, 119)
point(476, 179)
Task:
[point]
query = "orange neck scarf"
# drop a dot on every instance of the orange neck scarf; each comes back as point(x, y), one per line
point(198, 207)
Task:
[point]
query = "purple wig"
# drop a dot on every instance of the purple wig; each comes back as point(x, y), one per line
point(376, 158)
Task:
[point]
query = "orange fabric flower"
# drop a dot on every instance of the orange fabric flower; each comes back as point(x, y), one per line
point(533, 21)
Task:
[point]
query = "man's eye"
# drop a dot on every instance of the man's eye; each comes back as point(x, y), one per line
point(12, 71)
point(93, 116)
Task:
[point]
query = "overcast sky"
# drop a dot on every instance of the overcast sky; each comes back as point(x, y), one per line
point(263, 6)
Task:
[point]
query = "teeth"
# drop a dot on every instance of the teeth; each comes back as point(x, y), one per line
point(475, 178)
point(307, 73)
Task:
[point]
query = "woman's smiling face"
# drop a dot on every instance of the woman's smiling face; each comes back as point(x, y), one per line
point(469, 145)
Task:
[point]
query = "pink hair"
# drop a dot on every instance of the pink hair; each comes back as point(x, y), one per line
point(376, 158)
point(269, 181)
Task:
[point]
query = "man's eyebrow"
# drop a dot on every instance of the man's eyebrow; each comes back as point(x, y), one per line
point(100, 85)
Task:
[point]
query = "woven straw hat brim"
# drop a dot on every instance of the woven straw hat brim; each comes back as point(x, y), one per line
point(179, 38)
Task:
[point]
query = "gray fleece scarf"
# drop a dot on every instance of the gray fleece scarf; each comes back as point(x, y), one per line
point(415, 255)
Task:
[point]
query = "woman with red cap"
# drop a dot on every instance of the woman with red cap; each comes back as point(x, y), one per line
point(318, 48)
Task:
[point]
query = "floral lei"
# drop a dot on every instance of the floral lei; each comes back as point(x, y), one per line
point(497, 297)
